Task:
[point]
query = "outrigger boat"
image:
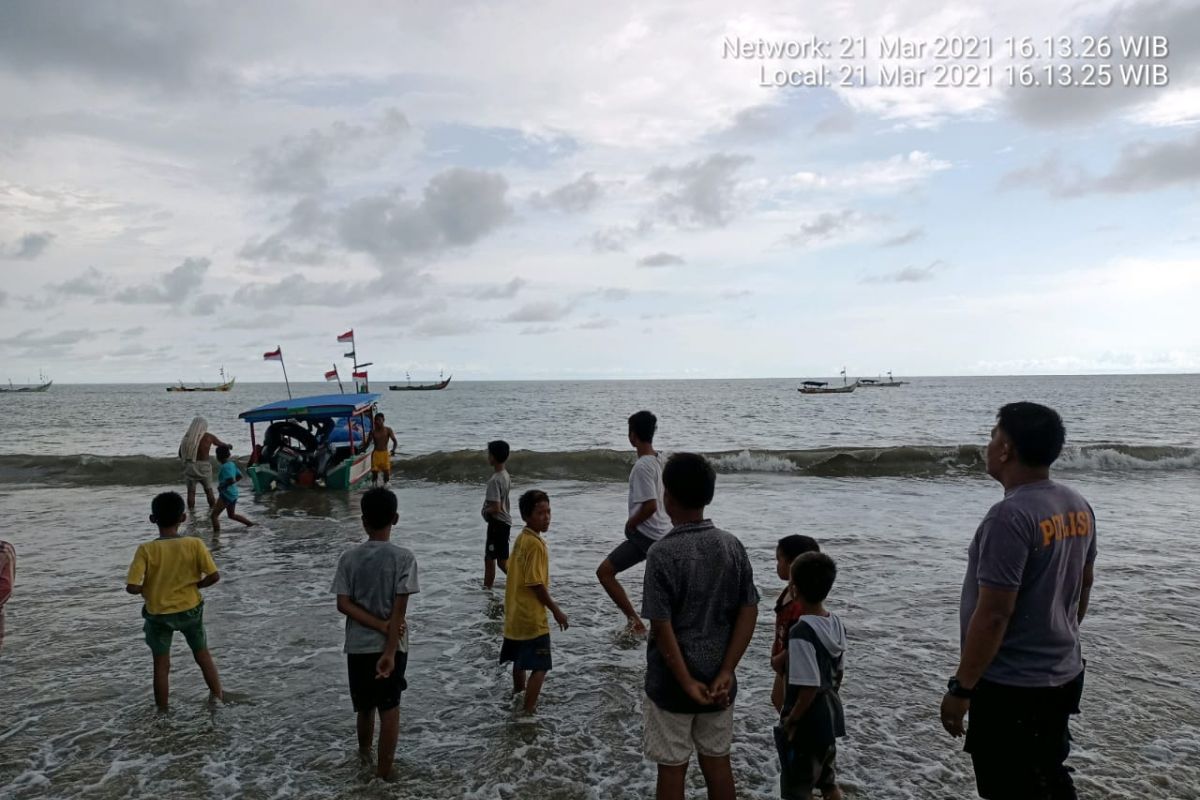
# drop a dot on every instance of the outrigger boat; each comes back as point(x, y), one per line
point(872, 383)
point(223, 386)
point(311, 441)
point(823, 387)
point(42, 386)
point(422, 387)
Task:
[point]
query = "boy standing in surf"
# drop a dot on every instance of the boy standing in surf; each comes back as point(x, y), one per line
point(526, 599)
point(372, 583)
point(227, 490)
point(788, 607)
point(169, 573)
point(811, 720)
point(381, 459)
point(496, 513)
point(647, 521)
point(700, 598)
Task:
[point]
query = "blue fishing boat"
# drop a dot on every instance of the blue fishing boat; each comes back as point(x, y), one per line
point(311, 441)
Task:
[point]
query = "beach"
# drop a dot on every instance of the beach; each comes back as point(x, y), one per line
point(889, 480)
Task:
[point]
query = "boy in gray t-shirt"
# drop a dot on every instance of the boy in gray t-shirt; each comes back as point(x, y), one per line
point(372, 584)
point(496, 513)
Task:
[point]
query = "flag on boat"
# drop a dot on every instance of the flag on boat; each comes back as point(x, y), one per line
point(349, 355)
point(331, 375)
point(362, 375)
point(348, 336)
point(274, 355)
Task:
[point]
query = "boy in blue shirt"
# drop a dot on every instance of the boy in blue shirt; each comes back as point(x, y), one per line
point(227, 490)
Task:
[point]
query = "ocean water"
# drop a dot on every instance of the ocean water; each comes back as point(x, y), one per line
point(889, 480)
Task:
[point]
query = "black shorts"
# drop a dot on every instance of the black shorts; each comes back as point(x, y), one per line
point(368, 692)
point(530, 654)
point(1018, 740)
point(630, 552)
point(496, 545)
point(802, 770)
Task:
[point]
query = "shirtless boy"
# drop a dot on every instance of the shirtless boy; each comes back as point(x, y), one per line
point(381, 459)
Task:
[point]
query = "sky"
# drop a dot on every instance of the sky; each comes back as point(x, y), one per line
point(538, 190)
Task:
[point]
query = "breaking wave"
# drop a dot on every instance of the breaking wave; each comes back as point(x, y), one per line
point(466, 466)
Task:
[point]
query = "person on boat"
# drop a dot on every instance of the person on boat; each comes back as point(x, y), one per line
point(381, 459)
point(647, 521)
point(193, 451)
point(1029, 577)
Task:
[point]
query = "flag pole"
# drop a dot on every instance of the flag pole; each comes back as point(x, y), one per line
point(285, 377)
point(339, 377)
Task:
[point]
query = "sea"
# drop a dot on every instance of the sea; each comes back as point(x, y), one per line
point(890, 480)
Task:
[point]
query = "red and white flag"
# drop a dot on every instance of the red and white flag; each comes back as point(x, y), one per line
point(274, 355)
point(362, 375)
point(348, 336)
point(331, 375)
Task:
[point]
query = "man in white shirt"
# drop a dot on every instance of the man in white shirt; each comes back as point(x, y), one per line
point(647, 522)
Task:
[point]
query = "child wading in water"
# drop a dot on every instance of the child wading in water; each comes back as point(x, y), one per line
point(169, 573)
point(227, 490)
point(787, 608)
point(372, 584)
point(526, 599)
point(812, 720)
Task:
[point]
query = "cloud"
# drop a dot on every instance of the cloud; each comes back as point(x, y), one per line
point(33, 343)
point(661, 260)
point(165, 48)
point(1141, 167)
point(544, 311)
point(908, 237)
point(297, 290)
point(538, 330)
point(573, 198)
point(908, 274)
point(827, 225)
point(597, 324)
point(699, 194)
point(503, 291)
point(173, 288)
point(459, 207)
point(615, 238)
point(298, 164)
point(3, 298)
point(889, 175)
point(445, 326)
point(306, 220)
point(28, 247)
point(90, 283)
point(207, 304)
point(757, 124)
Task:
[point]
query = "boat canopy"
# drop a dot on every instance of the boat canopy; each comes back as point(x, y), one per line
point(325, 406)
point(815, 383)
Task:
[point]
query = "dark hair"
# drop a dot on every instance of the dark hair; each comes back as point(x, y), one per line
point(223, 452)
point(378, 508)
point(529, 501)
point(813, 575)
point(797, 545)
point(499, 450)
point(690, 479)
point(379, 415)
point(1036, 431)
point(643, 424)
point(166, 509)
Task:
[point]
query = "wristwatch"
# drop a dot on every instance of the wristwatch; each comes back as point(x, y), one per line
point(956, 689)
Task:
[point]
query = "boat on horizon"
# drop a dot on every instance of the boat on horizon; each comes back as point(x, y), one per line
point(422, 387)
point(823, 387)
point(322, 440)
point(223, 386)
point(41, 386)
point(876, 383)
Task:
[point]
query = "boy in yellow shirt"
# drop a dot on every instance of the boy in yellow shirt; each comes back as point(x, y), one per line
point(168, 573)
point(526, 598)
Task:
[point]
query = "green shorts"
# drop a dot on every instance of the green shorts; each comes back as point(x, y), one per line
point(159, 628)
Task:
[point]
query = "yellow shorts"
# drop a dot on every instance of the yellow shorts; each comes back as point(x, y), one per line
point(381, 461)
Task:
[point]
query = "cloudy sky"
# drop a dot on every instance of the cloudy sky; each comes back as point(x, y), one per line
point(564, 190)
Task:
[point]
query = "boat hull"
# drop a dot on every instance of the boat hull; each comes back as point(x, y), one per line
point(422, 387)
point(343, 477)
point(224, 387)
point(836, 390)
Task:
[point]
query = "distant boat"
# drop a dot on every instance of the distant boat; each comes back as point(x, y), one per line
point(823, 387)
point(42, 386)
point(873, 383)
point(223, 386)
point(422, 387)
